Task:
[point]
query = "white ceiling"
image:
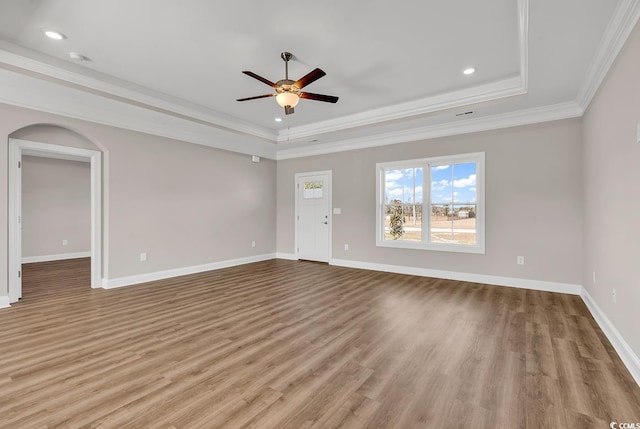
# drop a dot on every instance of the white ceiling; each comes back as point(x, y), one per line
point(396, 65)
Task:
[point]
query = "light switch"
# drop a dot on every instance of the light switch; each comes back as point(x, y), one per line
point(337, 210)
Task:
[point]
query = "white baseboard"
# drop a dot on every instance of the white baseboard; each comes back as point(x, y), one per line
point(160, 275)
point(4, 301)
point(289, 256)
point(465, 277)
point(58, 257)
point(628, 356)
point(626, 353)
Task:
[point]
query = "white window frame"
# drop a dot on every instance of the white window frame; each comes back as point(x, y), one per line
point(426, 163)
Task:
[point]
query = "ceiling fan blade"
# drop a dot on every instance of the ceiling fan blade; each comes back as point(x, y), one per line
point(309, 78)
point(319, 97)
point(260, 78)
point(288, 110)
point(256, 97)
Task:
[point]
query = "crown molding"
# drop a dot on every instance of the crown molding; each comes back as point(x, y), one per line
point(17, 56)
point(153, 109)
point(464, 126)
point(620, 27)
point(510, 87)
point(22, 90)
point(450, 100)
point(47, 84)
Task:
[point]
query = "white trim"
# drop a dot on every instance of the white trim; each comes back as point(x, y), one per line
point(58, 257)
point(127, 91)
point(4, 301)
point(540, 285)
point(16, 148)
point(96, 219)
point(287, 256)
point(297, 177)
point(14, 281)
point(161, 275)
point(626, 353)
point(620, 27)
point(103, 99)
point(425, 163)
point(624, 350)
point(504, 120)
point(100, 98)
point(72, 102)
point(62, 156)
point(478, 94)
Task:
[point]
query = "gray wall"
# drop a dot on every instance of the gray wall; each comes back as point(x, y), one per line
point(183, 204)
point(533, 202)
point(547, 187)
point(56, 206)
point(612, 198)
point(47, 133)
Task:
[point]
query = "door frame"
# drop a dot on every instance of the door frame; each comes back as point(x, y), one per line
point(296, 217)
point(18, 148)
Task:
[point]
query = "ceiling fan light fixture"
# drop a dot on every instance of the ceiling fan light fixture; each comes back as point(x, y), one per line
point(287, 99)
point(288, 92)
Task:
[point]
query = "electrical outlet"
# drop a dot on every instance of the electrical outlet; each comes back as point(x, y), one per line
point(65, 242)
point(346, 247)
point(614, 298)
point(520, 260)
point(143, 256)
point(253, 243)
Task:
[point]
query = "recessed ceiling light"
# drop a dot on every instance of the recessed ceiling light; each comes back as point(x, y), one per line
point(77, 56)
point(278, 119)
point(55, 35)
point(469, 70)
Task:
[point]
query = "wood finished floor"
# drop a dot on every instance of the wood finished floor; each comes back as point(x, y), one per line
point(303, 345)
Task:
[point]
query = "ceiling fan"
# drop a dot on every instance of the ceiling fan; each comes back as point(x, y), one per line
point(288, 92)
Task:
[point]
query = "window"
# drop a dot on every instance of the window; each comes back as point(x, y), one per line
point(432, 203)
point(312, 190)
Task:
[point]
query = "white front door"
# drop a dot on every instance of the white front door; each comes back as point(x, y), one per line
point(313, 220)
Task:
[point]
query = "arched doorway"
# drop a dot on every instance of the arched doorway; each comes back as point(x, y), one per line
point(19, 147)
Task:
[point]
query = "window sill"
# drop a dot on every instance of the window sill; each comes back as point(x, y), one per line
point(456, 248)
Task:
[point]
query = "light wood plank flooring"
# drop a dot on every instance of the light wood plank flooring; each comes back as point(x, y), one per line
point(303, 345)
